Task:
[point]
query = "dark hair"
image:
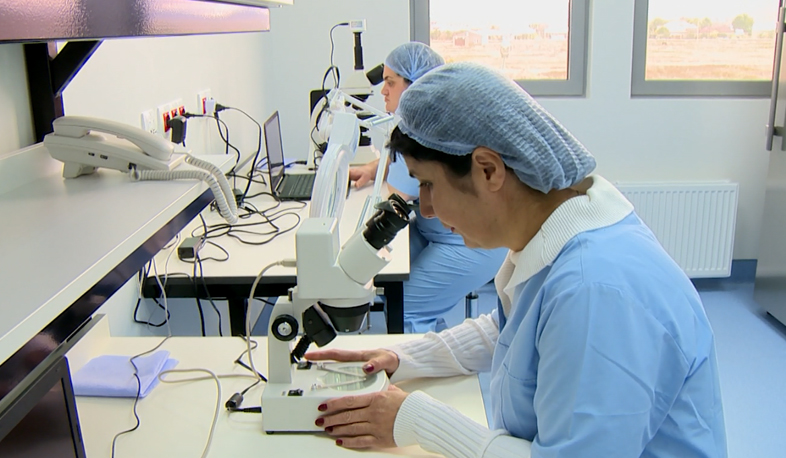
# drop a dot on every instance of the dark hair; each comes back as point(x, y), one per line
point(401, 143)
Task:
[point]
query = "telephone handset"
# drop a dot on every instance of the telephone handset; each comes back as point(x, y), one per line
point(82, 144)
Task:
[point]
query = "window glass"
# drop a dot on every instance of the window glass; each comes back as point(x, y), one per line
point(525, 39)
point(715, 40)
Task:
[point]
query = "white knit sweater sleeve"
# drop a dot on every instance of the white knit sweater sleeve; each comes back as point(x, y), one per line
point(463, 349)
point(439, 428)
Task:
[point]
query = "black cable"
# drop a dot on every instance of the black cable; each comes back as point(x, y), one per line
point(336, 76)
point(332, 70)
point(207, 293)
point(148, 323)
point(240, 232)
point(198, 303)
point(141, 276)
point(221, 134)
point(259, 142)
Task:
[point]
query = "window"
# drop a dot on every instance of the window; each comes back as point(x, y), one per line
point(703, 47)
point(540, 44)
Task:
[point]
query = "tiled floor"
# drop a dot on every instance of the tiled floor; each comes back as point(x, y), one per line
point(751, 349)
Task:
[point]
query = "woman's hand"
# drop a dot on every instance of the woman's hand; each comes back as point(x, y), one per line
point(362, 175)
point(376, 360)
point(363, 421)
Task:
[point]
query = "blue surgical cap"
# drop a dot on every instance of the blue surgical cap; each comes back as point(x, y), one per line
point(459, 107)
point(413, 60)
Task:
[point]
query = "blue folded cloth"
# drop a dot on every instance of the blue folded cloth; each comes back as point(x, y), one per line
point(113, 375)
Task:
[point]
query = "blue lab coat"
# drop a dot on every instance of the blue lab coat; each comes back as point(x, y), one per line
point(607, 352)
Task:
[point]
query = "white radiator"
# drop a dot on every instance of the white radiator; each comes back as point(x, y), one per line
point(693, 221)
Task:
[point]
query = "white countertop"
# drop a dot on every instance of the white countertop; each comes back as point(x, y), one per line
point(60, 237)
point(175, 418)
point(247, 260)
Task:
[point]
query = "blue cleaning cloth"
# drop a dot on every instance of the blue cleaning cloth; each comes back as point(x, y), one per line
point(458, 107)
point(113, 375)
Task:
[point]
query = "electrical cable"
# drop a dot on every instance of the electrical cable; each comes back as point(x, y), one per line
point(207, 293)
point(336, 76)
point(209, 173)
point(198, 303)
point(225, 139)
point(138, 393)
point(220, 107)
point(283, 262)
point(210, 376)
point(136, 369)
point(241, 231)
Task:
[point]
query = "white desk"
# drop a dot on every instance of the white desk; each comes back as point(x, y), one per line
point(175, 417)
point(61, 238)
point(232, 279)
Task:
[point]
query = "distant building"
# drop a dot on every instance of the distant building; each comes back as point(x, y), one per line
point(681, 29)
point(468, 38)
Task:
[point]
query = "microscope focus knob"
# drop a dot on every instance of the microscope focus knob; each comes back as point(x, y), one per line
point(285, 327)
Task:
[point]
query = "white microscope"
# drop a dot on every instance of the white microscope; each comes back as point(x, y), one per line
point(334, 291)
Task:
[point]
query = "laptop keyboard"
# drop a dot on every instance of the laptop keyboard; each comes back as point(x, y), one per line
point(299, 184)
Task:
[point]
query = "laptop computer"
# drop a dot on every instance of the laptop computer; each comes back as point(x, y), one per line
point(294, 186)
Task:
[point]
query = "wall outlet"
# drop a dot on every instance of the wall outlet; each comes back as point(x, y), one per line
point(163, 115)
point(148, 121)
point(202, 97)
point(165, 112)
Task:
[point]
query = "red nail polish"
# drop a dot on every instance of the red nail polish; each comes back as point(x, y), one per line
point(320, 421)
point(329, 429)
point(368, 368)
point(322, 407)
point(339, 442)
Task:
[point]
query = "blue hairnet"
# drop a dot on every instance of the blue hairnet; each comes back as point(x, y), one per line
point(459, 107)
point(413, 60)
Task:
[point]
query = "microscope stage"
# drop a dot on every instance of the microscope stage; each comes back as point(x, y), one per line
point(293, 407)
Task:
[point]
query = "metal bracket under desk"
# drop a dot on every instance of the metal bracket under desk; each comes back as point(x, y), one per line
point(235, 291)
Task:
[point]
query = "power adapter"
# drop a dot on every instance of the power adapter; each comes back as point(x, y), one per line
point(190, 247)
point(178, 126)
point(238, 196)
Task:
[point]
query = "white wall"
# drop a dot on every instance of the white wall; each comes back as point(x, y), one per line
point(298, 53)
point(665, 139)
point(16, 126)
point(127, 76)
point(633, 139)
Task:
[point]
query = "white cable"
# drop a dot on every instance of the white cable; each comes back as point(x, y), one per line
point(222, 192)
point(283, 262)
point(213, 376)
point(220, 177)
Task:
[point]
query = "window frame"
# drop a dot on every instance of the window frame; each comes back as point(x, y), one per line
point(578, 38)
point(641, 87)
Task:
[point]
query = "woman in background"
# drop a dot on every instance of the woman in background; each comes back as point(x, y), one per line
point(443, 270)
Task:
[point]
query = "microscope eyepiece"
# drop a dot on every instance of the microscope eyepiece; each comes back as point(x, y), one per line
point(392, 215)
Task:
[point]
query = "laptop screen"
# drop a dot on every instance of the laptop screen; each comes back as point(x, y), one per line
point(275, 150)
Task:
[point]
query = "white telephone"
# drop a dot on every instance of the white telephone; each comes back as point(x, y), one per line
point(81, 143)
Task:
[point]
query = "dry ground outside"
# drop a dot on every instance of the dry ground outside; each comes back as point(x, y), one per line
point(667, 59)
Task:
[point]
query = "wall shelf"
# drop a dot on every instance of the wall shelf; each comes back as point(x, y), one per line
point(84, 23)
point(49, 20)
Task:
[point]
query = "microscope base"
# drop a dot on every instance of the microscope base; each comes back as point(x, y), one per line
point(293, 407)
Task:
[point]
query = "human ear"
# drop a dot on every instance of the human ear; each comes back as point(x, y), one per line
point(490, 168)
